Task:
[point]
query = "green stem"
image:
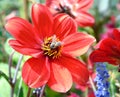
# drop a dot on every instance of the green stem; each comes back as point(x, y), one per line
point(92, 84)
point(10, 64)
point(17, 69)
point(26, 9)
point(112, 88)
point(29, 91)
point(12, 91)
point(20, 85)
point(15, 76)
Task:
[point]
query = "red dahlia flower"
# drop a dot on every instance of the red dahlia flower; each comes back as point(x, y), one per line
point(108, 49)
point(77, 9)
point(52, 42)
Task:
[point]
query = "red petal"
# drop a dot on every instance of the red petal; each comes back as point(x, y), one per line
point(42, 20)
point(22, 30)
point(56, 3)
point(35, 72)
point(77, 43)
point(64, 25)
point(52, 3)
point(84, 4)
point(84, 19)
point(108, 51)
point(81, 4)
point(102, 56)
point(60, 78)
point(78, 70)
point(111, 47)
point(31, 50)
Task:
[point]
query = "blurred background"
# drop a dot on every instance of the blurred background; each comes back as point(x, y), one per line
point(107, 17)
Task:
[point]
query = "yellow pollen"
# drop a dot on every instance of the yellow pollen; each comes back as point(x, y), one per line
point(52, 47)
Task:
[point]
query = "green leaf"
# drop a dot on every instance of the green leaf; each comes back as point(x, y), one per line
point(4, 85)
point(8, 5)
point(4, 68)
point(2, 74)
point(5, 92)
point(20, 88)
point(4, 88)
point(51, 93)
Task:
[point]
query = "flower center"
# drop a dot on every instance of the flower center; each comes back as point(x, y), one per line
point(65, 9)
point(52, 47)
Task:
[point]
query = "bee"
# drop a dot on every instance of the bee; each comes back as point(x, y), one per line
point(54, 44)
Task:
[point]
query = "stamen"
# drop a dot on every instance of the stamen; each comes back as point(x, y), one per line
point(65, 9)
point(52, 47)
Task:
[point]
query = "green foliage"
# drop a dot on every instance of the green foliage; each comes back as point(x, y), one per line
point(8, 4)
point(20, 88)
point(51, 93)
point(2, 74)
point(4, 68)
point(5, 90)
